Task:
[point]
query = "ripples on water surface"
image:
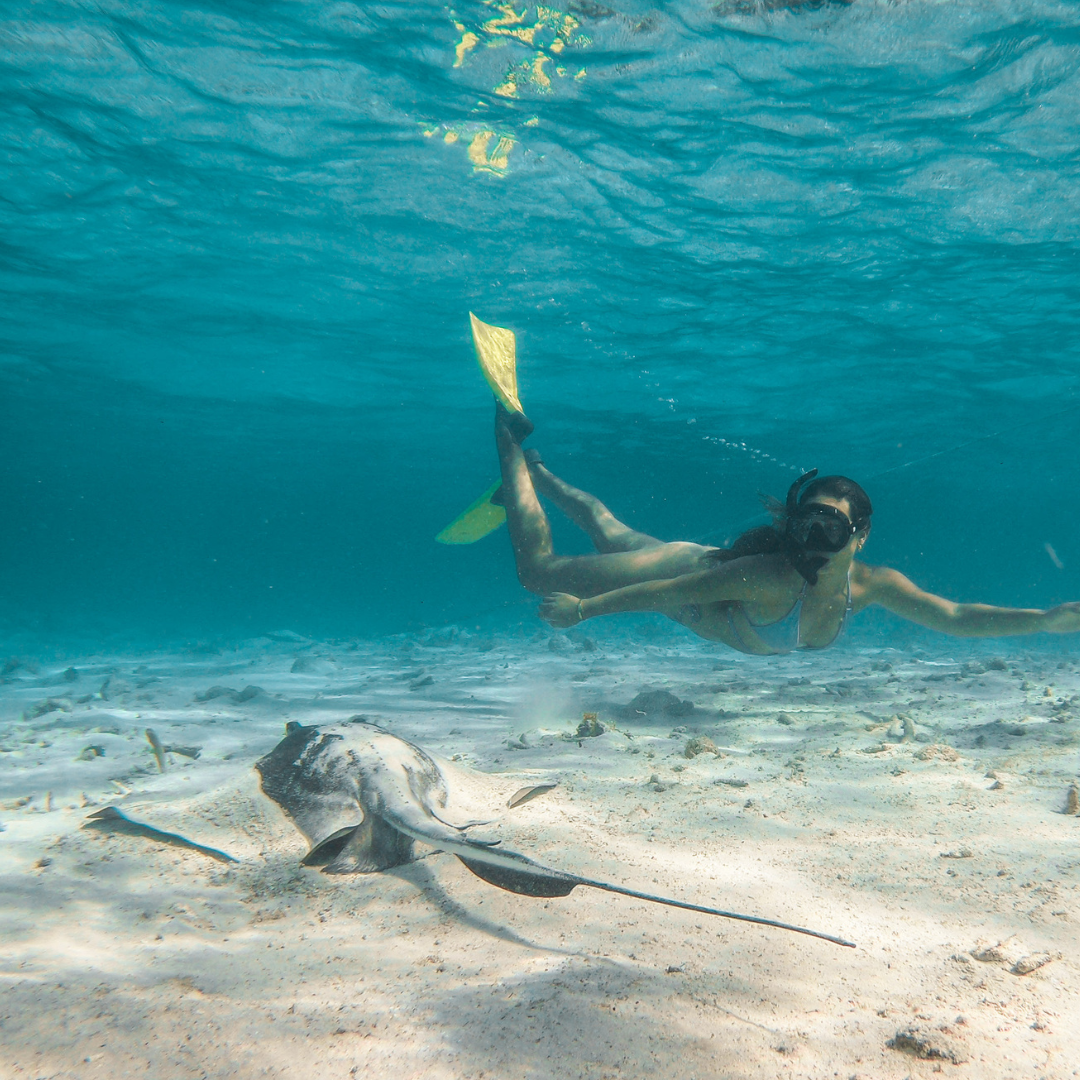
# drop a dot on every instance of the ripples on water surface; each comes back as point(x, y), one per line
point(239, 241)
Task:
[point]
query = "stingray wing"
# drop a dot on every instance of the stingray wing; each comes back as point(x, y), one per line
point(525, 882)
point(506, 869)
point(311, 776)
point(372, 846)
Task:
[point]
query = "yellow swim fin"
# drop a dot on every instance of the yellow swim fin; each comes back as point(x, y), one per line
point(475, 522)
point(497, 354)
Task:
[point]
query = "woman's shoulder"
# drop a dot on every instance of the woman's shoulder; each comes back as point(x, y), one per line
point(868, 579)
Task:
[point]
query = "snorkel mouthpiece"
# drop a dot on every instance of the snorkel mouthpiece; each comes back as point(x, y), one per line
point(807, 565)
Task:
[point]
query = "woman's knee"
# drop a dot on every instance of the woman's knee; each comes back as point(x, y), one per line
point(532, 581)
point(537, 576)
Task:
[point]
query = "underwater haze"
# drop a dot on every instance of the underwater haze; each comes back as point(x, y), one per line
point(239, 243)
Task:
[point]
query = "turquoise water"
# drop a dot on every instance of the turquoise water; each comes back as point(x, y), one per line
point(239, 243)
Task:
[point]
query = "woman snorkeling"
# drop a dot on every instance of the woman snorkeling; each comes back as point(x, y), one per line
point(793, 584)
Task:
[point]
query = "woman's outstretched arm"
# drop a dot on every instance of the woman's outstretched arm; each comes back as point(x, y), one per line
point(666, 595)
point(898, 594)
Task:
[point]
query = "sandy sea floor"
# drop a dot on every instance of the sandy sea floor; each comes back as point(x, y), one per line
point(909, 801)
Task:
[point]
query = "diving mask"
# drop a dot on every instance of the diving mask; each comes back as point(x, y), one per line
point(818, 527)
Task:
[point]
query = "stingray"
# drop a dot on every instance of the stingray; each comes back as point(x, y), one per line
point(363, 797)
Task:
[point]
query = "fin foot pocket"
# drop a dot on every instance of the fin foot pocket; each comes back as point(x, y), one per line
point(517, 423)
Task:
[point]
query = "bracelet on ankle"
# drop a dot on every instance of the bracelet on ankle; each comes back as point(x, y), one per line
point(580, 613)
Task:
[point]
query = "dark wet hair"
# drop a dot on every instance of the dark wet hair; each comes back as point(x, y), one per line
point(764, 540)
point(771, 539)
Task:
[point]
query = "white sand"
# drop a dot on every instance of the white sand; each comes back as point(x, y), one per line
point(123, 956)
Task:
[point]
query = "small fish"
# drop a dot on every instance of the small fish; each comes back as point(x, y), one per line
point(523, 795)
point(1054, 558)
point(184, 751)
point(155, 745)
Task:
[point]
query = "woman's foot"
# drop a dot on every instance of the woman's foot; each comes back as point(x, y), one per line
point(542, 480)
point(518, 424)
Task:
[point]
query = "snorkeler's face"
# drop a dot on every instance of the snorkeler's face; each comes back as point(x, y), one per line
point(824, 526)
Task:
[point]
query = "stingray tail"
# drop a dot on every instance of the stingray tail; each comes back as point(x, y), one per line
point(716, 911)
point(518, 874)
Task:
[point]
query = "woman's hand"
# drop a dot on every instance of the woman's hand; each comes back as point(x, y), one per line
point(1063, 619)
point(562, 610)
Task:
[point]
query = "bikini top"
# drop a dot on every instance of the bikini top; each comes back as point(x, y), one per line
point(782, 636)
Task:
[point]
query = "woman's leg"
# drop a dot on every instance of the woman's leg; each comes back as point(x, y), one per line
point(603, 528)
point(530, 530)
point(540, 570)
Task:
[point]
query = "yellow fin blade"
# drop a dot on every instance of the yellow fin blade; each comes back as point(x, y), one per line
point(496, 351)
point(474, 523)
